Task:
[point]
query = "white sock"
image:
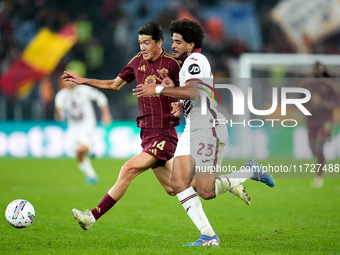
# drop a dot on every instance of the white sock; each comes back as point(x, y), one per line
point(193, 206)
point(86, 167)
point(226, 182)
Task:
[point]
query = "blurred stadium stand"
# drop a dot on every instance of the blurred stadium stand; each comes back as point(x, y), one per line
point(109, 40)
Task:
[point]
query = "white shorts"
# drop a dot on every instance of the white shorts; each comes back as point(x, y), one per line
point(80, 136)
point(204, 145)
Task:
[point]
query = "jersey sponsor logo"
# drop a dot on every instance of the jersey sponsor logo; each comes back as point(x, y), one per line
point(194, 69)
point(150, 80)
point(194, 59)
point(142, 68)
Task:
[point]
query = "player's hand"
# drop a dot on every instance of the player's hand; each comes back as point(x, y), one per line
point(67, 76)
point(164, 79)
point(106, 119)
point(177, 108)
point(59, 114)
point(145, 90)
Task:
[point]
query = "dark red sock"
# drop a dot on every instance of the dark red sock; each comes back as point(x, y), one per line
point(103, 206)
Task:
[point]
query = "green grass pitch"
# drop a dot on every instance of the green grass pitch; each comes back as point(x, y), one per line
point(291, 218)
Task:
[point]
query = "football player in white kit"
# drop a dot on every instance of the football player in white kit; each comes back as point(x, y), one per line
point(201, 144)
point(74, 103)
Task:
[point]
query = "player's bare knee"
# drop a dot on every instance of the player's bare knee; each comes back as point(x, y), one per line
point(80, 156)
point(170, 191)
point(127, 173)
point(173, 184)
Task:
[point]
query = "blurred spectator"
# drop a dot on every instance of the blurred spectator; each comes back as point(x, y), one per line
point(214, 29)
point(24, 33)
point(121, 36)
point(107, 31)
point(84, 27)
point(236, 48)
point(12, 54)
point(94, 55)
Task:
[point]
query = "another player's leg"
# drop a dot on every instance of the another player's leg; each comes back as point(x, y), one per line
point(251, 170)
point(85, 165)
point(162, 146)
point(233, 182)
point(318, 147)
point(163, 174)
point(180, 182)
point(211, 186)
point(128, 172)
point(315, 148)
point(259, 174)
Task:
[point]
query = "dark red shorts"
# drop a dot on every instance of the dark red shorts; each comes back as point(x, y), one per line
point(159, 143)
point(324, 130)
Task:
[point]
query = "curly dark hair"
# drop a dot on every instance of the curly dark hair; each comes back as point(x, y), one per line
point(152, 28)
point(190, 30)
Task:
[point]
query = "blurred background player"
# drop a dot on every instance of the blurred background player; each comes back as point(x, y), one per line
point(324, 98)
point(74, 103)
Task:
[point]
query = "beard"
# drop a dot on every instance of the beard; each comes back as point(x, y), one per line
point(181, 56)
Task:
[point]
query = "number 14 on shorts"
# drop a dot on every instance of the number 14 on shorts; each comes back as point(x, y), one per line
point(156, 146)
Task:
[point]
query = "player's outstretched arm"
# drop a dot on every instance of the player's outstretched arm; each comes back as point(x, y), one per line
point(187, 92)
point(115, 84)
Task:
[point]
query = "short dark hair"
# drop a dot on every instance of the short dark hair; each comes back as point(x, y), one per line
point(190, 30)
point(152, 28)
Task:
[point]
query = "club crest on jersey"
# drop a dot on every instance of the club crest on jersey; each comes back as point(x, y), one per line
point(150, 80)
point(194, 69)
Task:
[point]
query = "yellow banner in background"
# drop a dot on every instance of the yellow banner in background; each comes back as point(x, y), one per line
point(46, 50)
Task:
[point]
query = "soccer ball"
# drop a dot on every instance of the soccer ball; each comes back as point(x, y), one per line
point(20, 213)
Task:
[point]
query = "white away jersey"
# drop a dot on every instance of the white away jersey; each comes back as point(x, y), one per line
point(196, 66)
point(77, 107)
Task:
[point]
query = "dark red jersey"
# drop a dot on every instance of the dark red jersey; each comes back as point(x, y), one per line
point(324, 98)
point(154, 111)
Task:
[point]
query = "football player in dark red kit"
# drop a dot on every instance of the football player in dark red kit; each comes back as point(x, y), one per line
point(158, 116)
point(324, 98)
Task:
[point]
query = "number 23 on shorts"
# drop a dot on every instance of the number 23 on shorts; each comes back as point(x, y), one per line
point(207, 148)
